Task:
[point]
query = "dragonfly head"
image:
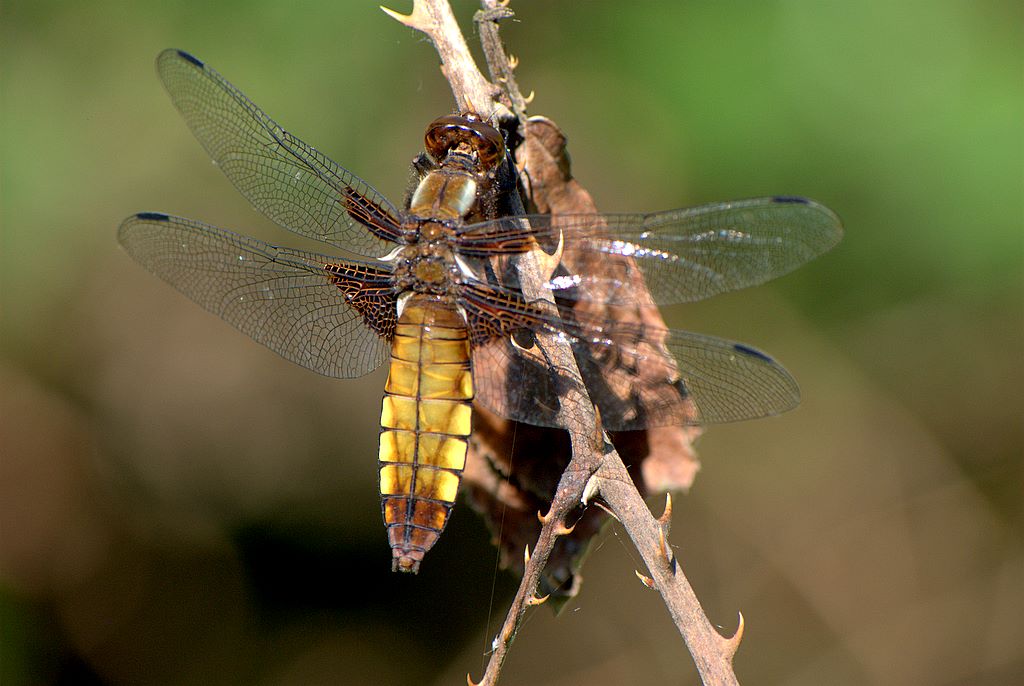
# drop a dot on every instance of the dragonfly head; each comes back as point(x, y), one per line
point(447, 133)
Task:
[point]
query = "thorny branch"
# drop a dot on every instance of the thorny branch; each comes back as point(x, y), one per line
point(595, 469)
point(500, 65)
point(473, 93)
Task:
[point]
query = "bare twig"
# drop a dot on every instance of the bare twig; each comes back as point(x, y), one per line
point(500, 65)
point(595, 467)
point(473, 93)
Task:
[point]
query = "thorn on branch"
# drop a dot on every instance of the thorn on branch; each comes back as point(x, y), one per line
point(534, 600)
point(563, 530)
point(732, 644)
point(666, 516)
point(644, 579)
point(417, 19)
point(607, 510)
point(526, 555)
point(664, 524)
point(547, 264)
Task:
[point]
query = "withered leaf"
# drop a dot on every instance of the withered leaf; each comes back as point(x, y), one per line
point(513, 468)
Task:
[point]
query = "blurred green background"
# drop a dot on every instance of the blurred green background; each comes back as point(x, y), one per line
point(180, 506)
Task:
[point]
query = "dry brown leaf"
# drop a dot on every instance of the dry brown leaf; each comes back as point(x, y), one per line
point(513, 468)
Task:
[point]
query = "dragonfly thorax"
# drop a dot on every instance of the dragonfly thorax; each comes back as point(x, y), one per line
point(430, 272)
point(444, 194)
point(427, 267)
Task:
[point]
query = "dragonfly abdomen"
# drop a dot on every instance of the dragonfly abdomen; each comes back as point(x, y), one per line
point(425, 423)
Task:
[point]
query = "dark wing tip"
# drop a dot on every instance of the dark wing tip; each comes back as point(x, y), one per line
point(190, 58)
point(827, 222)
point(752, 352)
point(129, 226)
point(152, 216)
point(784, 385)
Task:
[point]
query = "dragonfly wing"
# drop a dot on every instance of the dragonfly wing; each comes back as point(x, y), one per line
point(289, 181)
point(330, 315)
point(672, 377)
point(638, 376)
point(683, 255)
point(511, 376)
point(516, 385)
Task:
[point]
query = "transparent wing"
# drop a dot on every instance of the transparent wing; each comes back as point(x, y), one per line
point(638, 376)
point(330, 315)
point(287, 180)
point(684, 255)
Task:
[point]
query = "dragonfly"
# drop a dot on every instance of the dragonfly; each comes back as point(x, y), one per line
point(428, 287)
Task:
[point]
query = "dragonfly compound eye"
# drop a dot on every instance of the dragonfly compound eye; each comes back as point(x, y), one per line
point(445, 133)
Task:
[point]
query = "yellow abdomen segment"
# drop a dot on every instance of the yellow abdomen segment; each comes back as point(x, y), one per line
point(425, 422)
